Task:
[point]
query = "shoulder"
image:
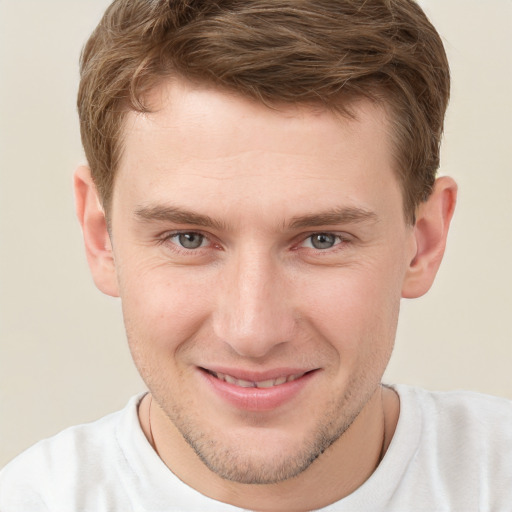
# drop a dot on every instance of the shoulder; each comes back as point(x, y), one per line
point(83, 453)
point(463, 410)
point(477, 425)
point(464, 444)
point(460, 417)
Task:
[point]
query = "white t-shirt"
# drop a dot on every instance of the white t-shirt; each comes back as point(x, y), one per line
point(450, 452)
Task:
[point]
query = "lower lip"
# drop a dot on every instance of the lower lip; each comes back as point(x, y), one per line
point(257, 399)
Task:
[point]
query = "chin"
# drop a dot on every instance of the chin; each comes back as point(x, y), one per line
point(262, 454)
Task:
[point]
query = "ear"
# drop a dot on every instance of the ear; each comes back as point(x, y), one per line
point(430, 231)
point(98, 247)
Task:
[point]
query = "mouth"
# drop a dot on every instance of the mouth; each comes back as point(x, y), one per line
point(261, 384)
point(258, 391)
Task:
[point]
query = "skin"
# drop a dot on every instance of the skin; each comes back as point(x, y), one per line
point(254, 186)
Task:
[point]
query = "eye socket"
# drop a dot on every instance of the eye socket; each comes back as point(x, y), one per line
point(189, 240)
point(322, 241)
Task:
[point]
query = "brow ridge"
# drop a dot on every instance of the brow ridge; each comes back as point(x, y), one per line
point(344, 215)
point(177, 215)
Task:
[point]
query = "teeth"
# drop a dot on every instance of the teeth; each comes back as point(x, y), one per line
point(266, 384)
point(244, 383)
point(270, 383)
point(227, 378)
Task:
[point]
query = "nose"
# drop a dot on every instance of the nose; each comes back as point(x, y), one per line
point(254, 313)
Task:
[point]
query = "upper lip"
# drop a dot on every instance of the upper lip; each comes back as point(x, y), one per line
point(257, 376)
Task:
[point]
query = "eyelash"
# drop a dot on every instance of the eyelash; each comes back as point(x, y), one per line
point(338, 240)
point(167, 239)
point(341, 240)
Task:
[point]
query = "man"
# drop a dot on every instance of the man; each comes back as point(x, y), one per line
point(261, 192)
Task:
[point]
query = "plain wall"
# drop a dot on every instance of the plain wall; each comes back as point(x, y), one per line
point(63, 355)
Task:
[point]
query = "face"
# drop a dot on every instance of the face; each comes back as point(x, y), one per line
point(260, 256)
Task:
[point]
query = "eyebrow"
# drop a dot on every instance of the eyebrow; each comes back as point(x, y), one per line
point(345, 215)
point(177, 215)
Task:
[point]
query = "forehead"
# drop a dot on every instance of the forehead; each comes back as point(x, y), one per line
point(188, 109)
point(199, 140)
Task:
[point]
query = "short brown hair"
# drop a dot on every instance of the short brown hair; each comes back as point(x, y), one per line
point(276, 51)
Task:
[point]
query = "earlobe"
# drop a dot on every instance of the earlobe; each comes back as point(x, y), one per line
point(98, 247)
point(430, 233)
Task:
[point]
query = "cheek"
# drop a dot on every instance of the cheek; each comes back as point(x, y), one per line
point(356, 310)
point(162, 306)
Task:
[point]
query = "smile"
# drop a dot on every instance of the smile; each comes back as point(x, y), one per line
point(269, 383)
point(257, 391)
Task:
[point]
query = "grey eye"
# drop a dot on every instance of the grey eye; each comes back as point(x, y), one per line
point(323, 240)
point(190, 240)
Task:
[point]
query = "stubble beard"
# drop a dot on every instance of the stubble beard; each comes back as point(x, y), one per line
point(246, 465)
point(240, 463)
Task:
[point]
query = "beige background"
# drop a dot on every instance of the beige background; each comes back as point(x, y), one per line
point(63, 358)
